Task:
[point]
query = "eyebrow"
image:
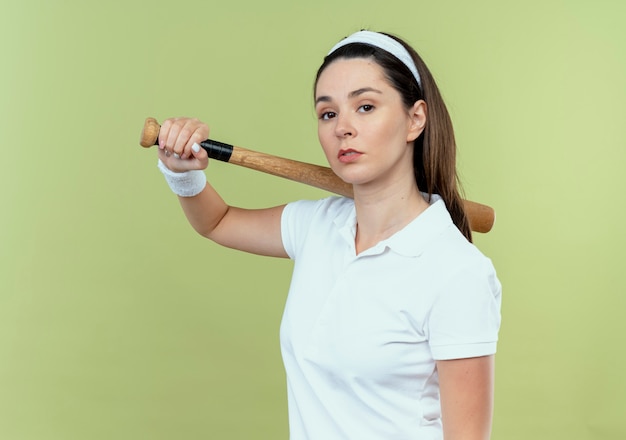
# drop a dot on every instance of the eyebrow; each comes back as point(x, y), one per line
point(351, 95)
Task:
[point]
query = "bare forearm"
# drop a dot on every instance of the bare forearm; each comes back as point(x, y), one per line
point(204, 211)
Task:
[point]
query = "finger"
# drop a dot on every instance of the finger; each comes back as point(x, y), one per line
point(187, 128)
point(161, 137)
point(195, 132)
point(198, 152)
point(173, 134)
point(164, 133)
point(199, 156)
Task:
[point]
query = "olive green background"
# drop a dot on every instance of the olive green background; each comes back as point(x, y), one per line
point(118, 322)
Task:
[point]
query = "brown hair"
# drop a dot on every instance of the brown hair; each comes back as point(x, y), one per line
point(434, 156)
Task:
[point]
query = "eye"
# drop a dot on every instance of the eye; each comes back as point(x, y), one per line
point(366, 108)
point(327, 115)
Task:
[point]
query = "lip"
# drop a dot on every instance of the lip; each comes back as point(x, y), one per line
point(349, 155)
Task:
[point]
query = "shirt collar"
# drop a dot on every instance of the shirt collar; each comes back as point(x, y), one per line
point(411, 240)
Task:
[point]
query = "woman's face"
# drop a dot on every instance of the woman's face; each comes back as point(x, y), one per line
point(364, 128)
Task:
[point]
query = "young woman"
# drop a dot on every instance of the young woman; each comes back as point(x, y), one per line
point(392, 318)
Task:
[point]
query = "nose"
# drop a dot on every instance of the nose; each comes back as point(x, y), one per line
point(344, 126)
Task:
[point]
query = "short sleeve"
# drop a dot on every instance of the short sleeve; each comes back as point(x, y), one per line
point(295, 223)
point(465, 318)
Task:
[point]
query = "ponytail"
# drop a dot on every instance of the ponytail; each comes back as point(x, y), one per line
point(434, 160)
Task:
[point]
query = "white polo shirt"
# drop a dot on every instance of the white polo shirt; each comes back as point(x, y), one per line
point(360, 334)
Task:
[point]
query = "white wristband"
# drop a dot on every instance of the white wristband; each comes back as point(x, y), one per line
point(187, 184)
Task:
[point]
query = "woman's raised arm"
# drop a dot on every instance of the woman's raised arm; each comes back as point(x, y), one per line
point(181, 160)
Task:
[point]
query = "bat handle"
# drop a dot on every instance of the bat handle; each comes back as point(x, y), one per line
point(215, 149)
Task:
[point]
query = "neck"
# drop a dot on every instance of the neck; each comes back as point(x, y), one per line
point(382, 213)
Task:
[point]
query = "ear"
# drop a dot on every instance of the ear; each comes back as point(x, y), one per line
point(417, 120)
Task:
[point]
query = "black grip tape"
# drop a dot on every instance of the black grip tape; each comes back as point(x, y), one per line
point(217, 150)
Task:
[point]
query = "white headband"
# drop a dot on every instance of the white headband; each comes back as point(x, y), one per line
point(385, 43)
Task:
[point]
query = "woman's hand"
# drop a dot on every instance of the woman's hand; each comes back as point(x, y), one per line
point(176, 144)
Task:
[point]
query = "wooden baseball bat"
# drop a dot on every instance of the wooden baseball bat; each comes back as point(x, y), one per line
point(481, 217)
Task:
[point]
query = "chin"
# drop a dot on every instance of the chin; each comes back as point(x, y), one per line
point(353, 178)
